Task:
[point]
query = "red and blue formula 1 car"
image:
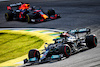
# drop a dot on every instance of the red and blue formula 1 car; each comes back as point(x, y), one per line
point(25, 13)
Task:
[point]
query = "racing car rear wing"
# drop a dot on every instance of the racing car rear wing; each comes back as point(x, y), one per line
point(84, 30)
point(16, 4)
point(74, 32)
point(13, 5)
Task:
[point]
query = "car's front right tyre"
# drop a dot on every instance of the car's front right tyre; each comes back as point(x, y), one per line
point(65, 50)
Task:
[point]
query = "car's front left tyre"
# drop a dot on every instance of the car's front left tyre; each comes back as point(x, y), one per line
point(34, 53)
point(51, 12)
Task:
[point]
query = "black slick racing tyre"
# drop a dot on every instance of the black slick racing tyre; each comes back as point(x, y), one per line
point(51, 12)
point(34, 53)
point(65, 50)
point(28, 18)
point(91, 41)
point(9, 16)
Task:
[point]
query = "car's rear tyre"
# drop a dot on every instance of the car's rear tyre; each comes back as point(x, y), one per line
point(91, 41)
point(51, 12)
point(28, 18)
point(9, 16)
point(65, 50)
point(34, 53)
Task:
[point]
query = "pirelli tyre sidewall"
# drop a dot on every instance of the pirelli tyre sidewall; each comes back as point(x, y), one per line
point(28, 18)
point(51, 12)
point(91, 41)
point(34, 53)
point(9, 16)
point(65, 50)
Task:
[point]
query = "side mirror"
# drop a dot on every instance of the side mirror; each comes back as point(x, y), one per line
point(54, 39)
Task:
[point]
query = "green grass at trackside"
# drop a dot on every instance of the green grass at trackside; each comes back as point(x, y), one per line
point(16, 45)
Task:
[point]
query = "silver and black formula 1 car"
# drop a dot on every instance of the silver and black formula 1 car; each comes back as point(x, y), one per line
point(54, 51)
point(24, 12)
point(69, 43)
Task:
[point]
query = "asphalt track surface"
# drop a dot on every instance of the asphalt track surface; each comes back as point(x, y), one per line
point(75, 14)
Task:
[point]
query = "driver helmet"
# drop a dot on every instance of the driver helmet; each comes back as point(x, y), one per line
point(27, 5)
point(24, 6)
point(66, 34)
